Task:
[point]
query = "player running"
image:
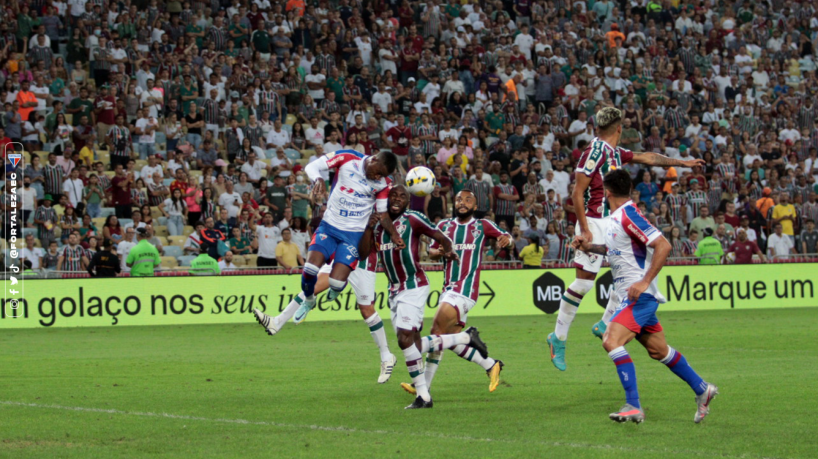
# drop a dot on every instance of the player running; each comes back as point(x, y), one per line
point(362, 280)
point(461, 283)
point(361, 183)
point(601, 156)
point(637, 251)
point(409, 289)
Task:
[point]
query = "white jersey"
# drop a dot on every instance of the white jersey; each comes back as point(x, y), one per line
point(353, 195)
point(627, 237)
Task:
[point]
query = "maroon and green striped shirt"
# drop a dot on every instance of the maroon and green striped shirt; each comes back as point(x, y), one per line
point(402, 267)
point(468, 239)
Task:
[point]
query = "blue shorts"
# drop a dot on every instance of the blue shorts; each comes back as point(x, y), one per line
point(639, 316)
point(342, 246)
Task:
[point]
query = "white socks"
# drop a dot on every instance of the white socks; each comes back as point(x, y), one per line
point(569, 305)
point(289, 311)
point(469, 353)
point(415, 366)
point(437, 343)
point(375, 325)
point(432, 362)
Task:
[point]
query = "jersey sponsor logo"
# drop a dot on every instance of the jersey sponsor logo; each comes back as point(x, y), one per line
point(352, 203)
point(386, 246)
point(464, 246)
point(636, 231)
point(353, 251)
point(358, 213)
point(348, 190)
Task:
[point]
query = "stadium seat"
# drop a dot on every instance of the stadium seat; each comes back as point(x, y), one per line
point(110, 174)
point(125, 221)
point(69, 119)
point(161, 230)
point(156, 213)
point(167, 181)
point(169, 262)
point(251, 260)
point(239, 260)
point(99, 222)
point(293, 155)
point(163, 240)
point(173, 251)
point(270, 153)
point(185, 260)
point(188, 230)
point(290, 119)
point(287, 127)
point(104, 212)
point(3, 244)
point(177, 240)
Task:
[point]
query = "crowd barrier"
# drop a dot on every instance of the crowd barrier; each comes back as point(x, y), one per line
point(185, 299)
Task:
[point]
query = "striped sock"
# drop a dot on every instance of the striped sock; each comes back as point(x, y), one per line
point(679, 366)
point(415, 367)
point(569, 304)
point(627, 374)
point(289, 311)
point(437, 343)
point(375, 325)
point(469, 353)
point(432, 362)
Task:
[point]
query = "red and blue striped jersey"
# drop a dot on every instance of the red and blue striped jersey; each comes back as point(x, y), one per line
point(628, 238)
point(402, 267)
point(468, 239)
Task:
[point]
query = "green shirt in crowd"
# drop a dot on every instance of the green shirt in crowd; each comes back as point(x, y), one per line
point(204, 264)
point(143, 258)
point(709, 251)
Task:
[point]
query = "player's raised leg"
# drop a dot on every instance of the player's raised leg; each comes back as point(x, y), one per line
point(658, 349)
point(614, 342)
point(274, 324)
point(450, 319)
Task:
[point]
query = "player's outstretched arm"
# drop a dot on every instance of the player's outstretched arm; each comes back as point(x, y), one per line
point(655, 159)
point(661, 249)
point(583, 244)
point(445, 250)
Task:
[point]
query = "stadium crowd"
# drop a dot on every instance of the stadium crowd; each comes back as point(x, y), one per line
point(194, 119)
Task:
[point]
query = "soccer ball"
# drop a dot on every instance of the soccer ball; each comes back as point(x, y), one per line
point(420, 181)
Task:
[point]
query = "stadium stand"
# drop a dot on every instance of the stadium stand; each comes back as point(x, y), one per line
point(105, 111)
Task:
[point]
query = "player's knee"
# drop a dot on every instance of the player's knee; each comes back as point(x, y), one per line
point(337, 285)
point(656, 354)
point(366, 311)
point(609, 343)
point(310, 269)
point(406, 338)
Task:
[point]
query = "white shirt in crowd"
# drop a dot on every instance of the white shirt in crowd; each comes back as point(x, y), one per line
point(254, 170)
point(780, 244)
point(279, 139)
point(34, 255)
point(267, 240)
point(231, 202)
point(123, 248)
point(73, 188)
point(224, 266)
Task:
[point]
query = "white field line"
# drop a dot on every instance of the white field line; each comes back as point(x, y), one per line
point(554, 444)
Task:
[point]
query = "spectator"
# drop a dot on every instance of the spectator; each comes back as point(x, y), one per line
point(809, 238)
point(784, 213)
point(744, 249)
point(288, 253)
point(204, 264)
point(226, 263)
point(779, 245)
point(268, 237)
point(32, 254)
point(704, 220)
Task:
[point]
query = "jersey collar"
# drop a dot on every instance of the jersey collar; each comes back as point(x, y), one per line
point(457, 222)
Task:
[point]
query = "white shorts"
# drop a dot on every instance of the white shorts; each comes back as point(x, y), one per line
point(593, 262)
point(407, 308)
point(361, 281)
point(462, 304)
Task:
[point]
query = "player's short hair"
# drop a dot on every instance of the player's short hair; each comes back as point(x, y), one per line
point(618, 182)
point(388, 159)
point(608, 117)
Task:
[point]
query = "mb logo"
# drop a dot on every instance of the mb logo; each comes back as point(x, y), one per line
point(548, 290)
point(604, 289)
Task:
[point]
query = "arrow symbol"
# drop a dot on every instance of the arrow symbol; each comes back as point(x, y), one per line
point(491, 294)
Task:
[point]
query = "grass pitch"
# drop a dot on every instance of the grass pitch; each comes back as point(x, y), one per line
point(310, 391)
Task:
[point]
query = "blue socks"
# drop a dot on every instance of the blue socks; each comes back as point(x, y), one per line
point(309, 277)
point(627, 374)
point(679, 366)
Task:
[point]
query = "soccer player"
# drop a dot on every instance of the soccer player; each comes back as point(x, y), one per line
point(409, 289)
point(461, 283)
point(362, 280)
point(600, 157)
point(361, 183)
point(637, 251)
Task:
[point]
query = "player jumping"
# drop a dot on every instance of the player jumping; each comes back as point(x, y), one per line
point(461, 283)
point(361, 183)
point(409, 289)
point(601, 156)
point(637, 251)
point(362, 280)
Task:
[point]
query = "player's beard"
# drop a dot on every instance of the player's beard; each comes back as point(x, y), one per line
point(464, 215)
